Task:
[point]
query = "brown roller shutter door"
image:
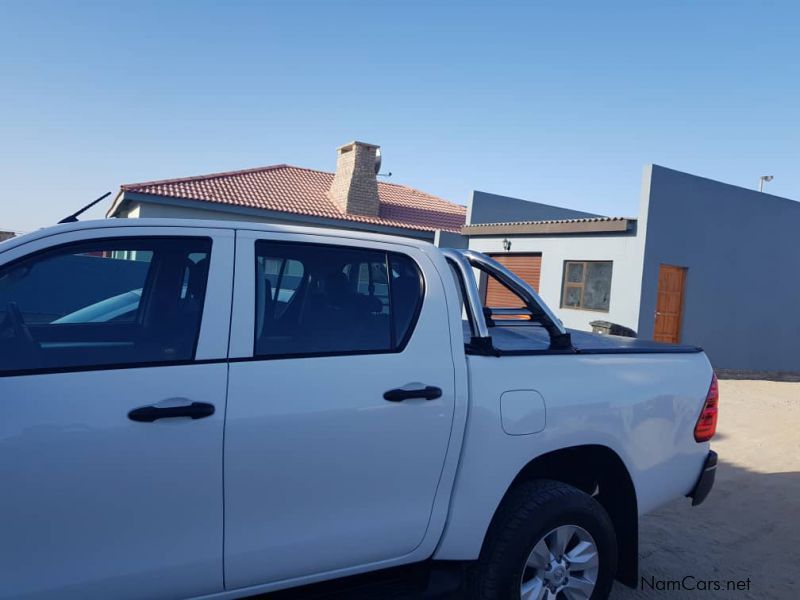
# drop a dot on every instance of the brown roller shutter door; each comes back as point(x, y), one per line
point(527, 267)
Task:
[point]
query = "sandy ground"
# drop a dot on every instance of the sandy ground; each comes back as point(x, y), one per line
point(749, 527)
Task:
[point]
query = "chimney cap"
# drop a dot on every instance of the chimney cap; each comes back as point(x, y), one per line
point(350, 145)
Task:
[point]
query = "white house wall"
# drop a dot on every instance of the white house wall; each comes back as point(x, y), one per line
point(623, 250)
point(165, 211)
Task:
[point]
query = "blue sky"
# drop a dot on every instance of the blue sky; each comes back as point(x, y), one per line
point(561, 102)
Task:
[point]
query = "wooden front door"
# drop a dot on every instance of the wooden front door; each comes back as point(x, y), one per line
point(669, 304)
point(527, 267)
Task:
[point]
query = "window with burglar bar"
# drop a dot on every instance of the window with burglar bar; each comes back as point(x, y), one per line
point(587, 285)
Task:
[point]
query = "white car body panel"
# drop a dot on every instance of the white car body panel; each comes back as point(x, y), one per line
point(103, 507)
point(617, 401)
point(322, 477)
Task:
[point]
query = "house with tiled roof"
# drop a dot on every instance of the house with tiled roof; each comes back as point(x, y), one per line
point(350, 198)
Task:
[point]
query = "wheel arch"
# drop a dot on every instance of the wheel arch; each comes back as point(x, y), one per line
point(599, 471)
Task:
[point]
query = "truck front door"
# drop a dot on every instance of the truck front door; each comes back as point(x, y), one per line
point(113, 347)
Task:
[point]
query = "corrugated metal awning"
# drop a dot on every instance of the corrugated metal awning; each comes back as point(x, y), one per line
point(565, 226)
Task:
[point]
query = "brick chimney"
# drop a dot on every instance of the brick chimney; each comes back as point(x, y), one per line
point(355, 186)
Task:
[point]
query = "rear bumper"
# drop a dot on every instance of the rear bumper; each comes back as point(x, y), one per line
point(706, 480)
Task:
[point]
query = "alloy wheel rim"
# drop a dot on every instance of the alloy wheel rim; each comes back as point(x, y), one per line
point(563, 564)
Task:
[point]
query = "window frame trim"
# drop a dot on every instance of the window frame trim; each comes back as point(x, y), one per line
point(140, 236)
point(399, 349)
point(582, 285)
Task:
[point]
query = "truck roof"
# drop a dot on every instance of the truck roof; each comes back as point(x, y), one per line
point(210, 224)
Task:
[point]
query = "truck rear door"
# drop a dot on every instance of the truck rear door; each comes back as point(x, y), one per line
point(340, 405)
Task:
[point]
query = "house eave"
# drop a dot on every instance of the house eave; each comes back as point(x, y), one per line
point(617, 226)
point(116, 205)
point(126, 196)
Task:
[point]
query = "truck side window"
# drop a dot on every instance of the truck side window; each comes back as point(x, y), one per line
point(407, 292)
point(102, 303)
point(466, 325)
point(320, 300)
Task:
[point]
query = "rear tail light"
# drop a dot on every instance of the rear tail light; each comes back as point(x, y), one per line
point(707, 422)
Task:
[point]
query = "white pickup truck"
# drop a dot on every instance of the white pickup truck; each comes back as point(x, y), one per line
point(196, 409)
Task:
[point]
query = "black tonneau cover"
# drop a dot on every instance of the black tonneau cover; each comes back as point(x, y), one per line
point(529, 338)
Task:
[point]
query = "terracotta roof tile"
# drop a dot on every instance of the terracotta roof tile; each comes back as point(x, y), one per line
point(297, 190)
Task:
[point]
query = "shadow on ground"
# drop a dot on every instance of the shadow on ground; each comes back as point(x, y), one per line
point(747, 528)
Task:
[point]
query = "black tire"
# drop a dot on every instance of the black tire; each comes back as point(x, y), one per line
point(530, 510)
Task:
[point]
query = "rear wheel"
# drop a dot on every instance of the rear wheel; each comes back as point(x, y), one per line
point(548, 541)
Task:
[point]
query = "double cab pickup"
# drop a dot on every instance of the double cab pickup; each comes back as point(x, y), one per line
point(198, 409)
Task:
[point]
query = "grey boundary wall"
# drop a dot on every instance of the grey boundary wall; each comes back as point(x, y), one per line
point(742, 250)
point(484, 207)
